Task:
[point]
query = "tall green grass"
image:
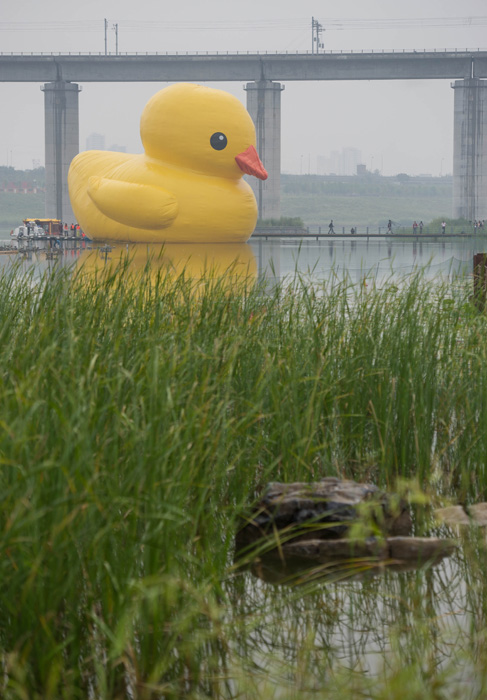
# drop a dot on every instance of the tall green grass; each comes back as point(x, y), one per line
point(142, 414)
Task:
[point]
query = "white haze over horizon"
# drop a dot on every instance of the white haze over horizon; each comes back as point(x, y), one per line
point(399, 126)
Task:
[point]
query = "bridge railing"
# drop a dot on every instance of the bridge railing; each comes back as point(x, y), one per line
point(240, 53)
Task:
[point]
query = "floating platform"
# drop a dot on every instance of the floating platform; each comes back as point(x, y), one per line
point(53, 238)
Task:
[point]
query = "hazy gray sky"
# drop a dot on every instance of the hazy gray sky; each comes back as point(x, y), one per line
point(400, 126)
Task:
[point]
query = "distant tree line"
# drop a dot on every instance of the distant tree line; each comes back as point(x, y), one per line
point(9, 174)
point(400, 186)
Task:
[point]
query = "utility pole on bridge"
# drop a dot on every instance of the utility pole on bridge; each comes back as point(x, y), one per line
point(316, 29)
point(115, 29)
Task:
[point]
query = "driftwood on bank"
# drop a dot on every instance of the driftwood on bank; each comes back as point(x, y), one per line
point(336, 519)
point(418, 549)
point(328, 508)
point(463, 515)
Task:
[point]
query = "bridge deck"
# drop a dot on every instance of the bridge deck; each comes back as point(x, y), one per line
point(409, 65)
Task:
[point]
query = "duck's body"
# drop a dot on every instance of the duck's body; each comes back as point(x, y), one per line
point(126, 200)
point(186, 187)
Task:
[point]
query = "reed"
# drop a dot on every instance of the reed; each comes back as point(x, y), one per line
point(142, 414)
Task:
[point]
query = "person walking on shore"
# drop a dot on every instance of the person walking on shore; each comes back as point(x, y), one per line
point(330, 227)
point(443, 227)
point(415, 228)
point(389, 226)
point(420, 227)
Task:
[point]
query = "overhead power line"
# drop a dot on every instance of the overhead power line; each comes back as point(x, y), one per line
point(330, 24)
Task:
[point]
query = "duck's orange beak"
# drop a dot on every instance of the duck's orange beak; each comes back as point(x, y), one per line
point(250, 163)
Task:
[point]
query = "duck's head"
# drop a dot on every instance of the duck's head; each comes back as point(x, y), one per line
point(201, 129)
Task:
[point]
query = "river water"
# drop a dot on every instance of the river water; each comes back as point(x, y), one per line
point(366, 259)
point(359, 260)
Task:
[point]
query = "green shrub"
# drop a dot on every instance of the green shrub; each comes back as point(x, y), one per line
point(283, 222)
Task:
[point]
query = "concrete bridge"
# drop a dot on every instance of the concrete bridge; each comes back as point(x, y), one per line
point(262, 74)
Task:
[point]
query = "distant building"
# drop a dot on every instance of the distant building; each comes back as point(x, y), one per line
point(351, 157)
point(342, 162)
point(322, 165)
point(361, 169)
point(95, 142)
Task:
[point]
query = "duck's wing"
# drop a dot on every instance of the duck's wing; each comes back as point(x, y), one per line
point(141, 206)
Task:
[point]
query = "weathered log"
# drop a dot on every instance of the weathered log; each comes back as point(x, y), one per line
point(325, 510)
point(414, 549)
point(419, 549)
point(336, 530)
point(463, 515)
point(324, 550)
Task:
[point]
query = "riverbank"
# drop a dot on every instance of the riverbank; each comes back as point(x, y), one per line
point(365, 201)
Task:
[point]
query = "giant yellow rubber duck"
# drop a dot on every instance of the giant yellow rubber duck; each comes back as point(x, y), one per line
point(186, 187)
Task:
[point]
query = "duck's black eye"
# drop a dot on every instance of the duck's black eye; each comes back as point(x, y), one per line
point(218, 141)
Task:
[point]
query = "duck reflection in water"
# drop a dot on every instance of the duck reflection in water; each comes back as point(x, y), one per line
point(233, 262)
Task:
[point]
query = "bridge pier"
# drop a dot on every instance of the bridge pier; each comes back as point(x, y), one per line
point(264, 106)
point(62, 144)
point(470, 149)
